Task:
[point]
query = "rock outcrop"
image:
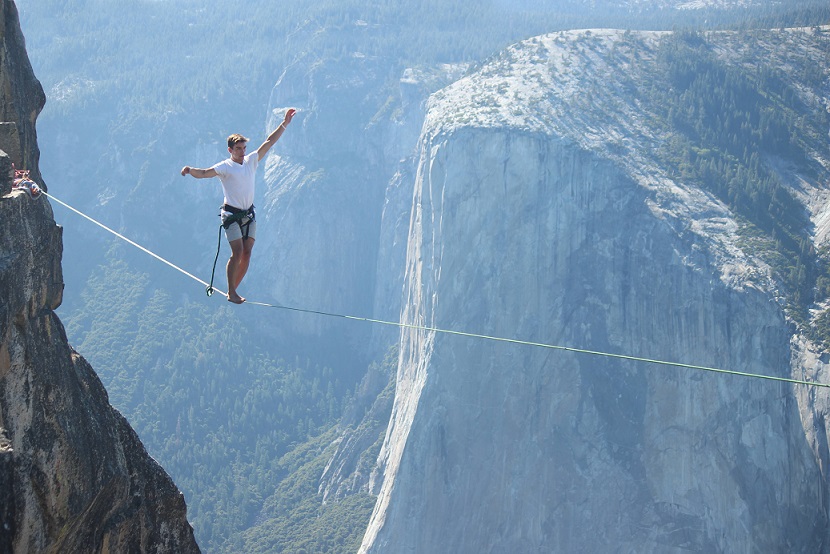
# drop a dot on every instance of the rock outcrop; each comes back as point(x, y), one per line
point(539, 214)
point(21, 96)
point(74, 477)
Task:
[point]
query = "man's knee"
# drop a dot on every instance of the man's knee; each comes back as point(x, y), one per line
point(247, 247)
point(237, 248)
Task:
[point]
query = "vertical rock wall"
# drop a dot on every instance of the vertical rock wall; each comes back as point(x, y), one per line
point(74, 476)
point(497, 447)
point(21, 96)
point(78, 478)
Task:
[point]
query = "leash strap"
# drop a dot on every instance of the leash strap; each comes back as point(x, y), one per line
point(209, 289)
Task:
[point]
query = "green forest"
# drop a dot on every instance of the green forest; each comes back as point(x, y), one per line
point(245, 424)
point(244, 433)
point(724, 122)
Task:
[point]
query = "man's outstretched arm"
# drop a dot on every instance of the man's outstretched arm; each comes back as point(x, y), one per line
point(275, 136)
point(198, 173)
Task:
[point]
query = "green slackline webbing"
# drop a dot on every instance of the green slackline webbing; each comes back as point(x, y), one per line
point(550, 346)
point(457, 333)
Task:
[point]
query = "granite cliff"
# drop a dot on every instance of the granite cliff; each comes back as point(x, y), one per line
point(540, 212)
point(328, 199)
point(75, 477)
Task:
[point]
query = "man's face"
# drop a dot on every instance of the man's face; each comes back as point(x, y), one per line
point(238, 151)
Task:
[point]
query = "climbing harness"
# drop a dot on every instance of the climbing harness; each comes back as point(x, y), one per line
point(230, 215)
point(403, 325)
point(235, 215)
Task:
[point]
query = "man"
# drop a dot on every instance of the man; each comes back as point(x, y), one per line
point(237, 175)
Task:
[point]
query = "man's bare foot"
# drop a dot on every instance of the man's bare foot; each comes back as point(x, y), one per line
point(235, 298)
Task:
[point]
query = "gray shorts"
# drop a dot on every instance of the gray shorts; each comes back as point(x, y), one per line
point(233, 232)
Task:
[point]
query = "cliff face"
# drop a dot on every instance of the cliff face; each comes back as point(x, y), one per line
point(539, 214)
point(75, 477)
point(21, 96)
point(359, 118)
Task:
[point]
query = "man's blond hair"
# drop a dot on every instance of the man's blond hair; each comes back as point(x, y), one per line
point(235, 138)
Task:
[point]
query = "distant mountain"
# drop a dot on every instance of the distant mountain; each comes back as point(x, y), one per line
point(584, 190)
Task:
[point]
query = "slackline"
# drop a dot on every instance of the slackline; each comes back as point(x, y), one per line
point(451, 331)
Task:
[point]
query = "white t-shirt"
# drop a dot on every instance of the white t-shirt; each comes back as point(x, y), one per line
point(238, 180)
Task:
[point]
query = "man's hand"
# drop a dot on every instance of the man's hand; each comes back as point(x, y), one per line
point(289, 115)
point(275, 136)
point(185, 170)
